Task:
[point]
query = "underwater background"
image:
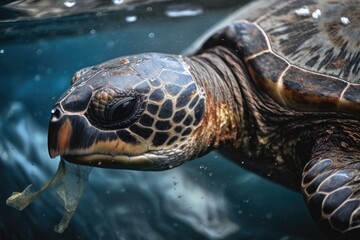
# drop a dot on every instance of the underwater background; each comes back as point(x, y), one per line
point(42, 43)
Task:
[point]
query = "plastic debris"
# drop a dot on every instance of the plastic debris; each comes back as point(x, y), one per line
point(70, 179)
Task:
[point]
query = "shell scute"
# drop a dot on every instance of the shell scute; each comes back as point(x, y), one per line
point(309, 91)
point(249, 38)
point(265, 74)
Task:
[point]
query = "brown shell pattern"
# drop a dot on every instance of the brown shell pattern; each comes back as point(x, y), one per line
point(307, 62)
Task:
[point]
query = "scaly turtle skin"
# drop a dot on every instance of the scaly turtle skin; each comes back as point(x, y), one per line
point(279, 87)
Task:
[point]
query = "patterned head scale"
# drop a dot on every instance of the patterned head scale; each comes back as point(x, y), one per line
point(137, 112)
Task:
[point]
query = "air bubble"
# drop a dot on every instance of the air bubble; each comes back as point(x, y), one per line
point(184, 12)
point(130, 18)
point(118, 2)
point(268, 215)
point(37, 77)
point(110, 44)
point(316, 14)
point(345, 20)
point(69, 3)
point(303, 11)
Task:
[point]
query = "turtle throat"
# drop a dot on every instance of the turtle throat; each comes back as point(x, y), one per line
point(219, 71)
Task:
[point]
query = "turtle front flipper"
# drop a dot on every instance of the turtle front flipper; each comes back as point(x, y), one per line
point(331, 186)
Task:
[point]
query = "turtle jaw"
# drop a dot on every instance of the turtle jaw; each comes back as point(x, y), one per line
point(150, 161)
point(102, 160)
point(75, 140)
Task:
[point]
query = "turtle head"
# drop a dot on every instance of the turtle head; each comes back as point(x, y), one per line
point(138, 112)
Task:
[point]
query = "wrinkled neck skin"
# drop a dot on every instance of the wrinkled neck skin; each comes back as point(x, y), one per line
point(219, 72)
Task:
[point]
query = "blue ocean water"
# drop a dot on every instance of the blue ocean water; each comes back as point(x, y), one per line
point(208, 198)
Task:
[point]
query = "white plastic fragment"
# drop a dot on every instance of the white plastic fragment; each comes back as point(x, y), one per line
point(345, 20)
point(303, 11)
point(70, 179)
point(316, 14)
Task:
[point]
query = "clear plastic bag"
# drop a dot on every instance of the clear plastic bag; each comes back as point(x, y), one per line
point(70, 181)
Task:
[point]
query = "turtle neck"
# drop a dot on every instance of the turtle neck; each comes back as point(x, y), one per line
point(219, 72)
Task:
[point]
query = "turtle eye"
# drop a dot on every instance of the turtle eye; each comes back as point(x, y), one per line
point(122, 110)
point(110, 109)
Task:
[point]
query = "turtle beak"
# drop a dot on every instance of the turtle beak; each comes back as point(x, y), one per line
point(60, 133)
point(71, 136)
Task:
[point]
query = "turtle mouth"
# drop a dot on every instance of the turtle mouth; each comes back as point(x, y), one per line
point(76, 141)
point(108, 160)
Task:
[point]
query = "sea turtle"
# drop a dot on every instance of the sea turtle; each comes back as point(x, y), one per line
point(278, 88)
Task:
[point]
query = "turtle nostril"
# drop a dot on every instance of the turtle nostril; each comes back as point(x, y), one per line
point(56, 114)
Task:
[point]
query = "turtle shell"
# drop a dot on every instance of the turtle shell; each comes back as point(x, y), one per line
point(304, 54)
